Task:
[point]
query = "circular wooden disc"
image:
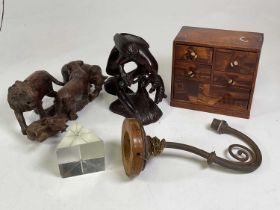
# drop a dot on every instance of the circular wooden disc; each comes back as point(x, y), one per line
point(133, 147)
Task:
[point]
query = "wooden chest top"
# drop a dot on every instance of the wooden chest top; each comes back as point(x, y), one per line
point(239, 40)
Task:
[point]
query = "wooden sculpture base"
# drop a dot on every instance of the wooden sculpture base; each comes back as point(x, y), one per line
point(147, 110)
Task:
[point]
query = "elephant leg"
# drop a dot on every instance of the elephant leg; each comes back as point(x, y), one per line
point(65, 73)
point(52, 94)
point(60, 108)
point(21, 121)
point(72, 114)
point(40, 109)
point(93, 95)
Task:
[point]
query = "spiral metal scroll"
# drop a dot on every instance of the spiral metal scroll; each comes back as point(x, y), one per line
point(248, 159)
point(243, 153)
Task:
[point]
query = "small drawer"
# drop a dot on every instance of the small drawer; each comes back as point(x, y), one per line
point(190, 71)
point(233, 80)
point(235, 61)
point(191, 91)
point(193, 53)
point(230, 97)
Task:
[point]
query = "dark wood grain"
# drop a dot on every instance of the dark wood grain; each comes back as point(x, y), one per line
point(194, 53)
point(233, 80)
point(190, 71)
point(235, 61)
point(232, 98)
point(134, 102)
point(220, 38)
point(213, 109)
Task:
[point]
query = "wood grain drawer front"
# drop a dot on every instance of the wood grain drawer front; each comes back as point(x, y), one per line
point(195, 72)
point(191, 91)
point(235, 61)
point(193, 53)
point(234, 98)
point(233, 80)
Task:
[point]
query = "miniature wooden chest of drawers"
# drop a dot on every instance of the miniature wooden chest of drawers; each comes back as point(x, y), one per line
point(215, 70)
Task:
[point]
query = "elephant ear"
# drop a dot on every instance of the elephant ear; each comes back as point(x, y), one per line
point(18, 82)
point(69, 65)
point(80, 62)
point(96, 68)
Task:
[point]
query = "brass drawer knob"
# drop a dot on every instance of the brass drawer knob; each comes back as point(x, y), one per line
point(191, 54)
point(191, 74)
point(231, 82)
point(234, 63)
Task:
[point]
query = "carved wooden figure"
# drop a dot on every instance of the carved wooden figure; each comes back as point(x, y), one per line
point(94, 74)
point(131, 48)
point(27, 95)
point(76, 93)
point(42, 129)
point(71, 98)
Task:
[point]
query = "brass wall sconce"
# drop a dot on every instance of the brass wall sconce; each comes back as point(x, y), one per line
point(137, 148)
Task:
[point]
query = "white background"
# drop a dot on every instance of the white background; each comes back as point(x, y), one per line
point(46, 34)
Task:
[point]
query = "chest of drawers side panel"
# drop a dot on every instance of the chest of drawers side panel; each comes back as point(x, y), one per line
point(173, 72)
point(254, 82)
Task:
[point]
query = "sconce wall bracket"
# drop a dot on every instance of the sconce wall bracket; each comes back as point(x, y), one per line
point(137, 148)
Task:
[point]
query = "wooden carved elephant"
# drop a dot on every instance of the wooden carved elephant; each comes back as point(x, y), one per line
point(27, 95)
point(76, 92)
point(94, 74)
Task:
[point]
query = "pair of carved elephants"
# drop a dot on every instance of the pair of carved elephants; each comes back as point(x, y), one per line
point(76, 92)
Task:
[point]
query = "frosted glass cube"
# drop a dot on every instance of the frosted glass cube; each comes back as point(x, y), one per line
point(80, 152)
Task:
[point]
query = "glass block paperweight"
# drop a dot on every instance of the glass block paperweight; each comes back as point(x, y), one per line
point(80, 152)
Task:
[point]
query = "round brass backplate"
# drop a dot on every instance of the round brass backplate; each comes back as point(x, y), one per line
point(133, 147)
